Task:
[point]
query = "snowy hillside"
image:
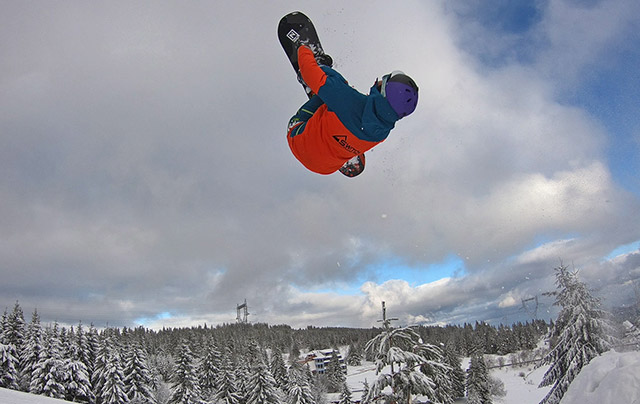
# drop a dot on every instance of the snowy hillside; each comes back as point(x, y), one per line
point(611, 378)
point(16, 397)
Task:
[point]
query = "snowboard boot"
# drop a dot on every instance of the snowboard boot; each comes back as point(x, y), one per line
point(324, 59)
point(353, 167)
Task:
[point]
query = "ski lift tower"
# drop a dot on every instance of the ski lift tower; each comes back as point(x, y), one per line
point(243, 312)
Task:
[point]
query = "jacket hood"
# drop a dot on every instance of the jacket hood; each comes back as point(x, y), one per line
point(378, 117)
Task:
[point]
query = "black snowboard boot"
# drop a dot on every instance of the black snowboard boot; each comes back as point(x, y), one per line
point(324, 59)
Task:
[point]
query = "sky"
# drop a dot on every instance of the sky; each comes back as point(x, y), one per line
point(146, 178)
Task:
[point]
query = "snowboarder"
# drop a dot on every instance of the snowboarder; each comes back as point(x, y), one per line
point(334, 128)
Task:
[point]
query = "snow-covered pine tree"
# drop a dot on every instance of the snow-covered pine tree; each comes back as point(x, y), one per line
point(77, 383)
point(15, 333)
point(456, 374)
point(317, 385)
point(438, 370)
point(334, 373)
point(262, 386)
point(478, 391)
point(83, 351)
point(33, 350)
point(298, 390)
point(403, 352)
point(108, 377)
point(365, 392)
point(345, 394)
point(186, 389)
point(580, 334)
point(8, 367)
point(49, 373)
point(93, 346)
point(137, 378)
point(226, 388)
point(209, 370)
point(113, 387)
point(354, 357)
point(631, 334)
point(278, 368)
point(243, 373)
point(3, 325)
point(99, 366)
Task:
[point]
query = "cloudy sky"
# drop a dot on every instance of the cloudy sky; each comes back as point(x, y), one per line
point(146, 178)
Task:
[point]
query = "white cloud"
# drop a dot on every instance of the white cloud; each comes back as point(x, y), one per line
point(146, 162)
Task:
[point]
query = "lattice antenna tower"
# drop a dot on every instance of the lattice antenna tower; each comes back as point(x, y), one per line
point(525, 307)
point(243, 313)
point(386, 322)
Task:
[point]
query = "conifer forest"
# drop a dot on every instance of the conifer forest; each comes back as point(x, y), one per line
point(233, 363)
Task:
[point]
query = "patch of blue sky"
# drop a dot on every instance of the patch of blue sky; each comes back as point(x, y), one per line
point(506, 29)
point(148, 320)
point(397, 269)
point(510, 16)
point(451, 266)
point(610, 91)
point(624, 249)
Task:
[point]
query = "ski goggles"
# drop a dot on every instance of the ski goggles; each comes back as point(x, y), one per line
point(385, 79)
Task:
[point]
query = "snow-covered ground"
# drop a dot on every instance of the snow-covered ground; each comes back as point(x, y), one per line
point(16, 397)
point(611, 378)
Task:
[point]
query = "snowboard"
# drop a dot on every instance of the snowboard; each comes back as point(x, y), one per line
point(294, 30)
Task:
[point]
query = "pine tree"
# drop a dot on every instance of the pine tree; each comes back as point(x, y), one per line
point(243, 373)
point(108, 377)
point(83, 347)
point(113, 388)
point(77, 383)
point(99, 366)
point(334, 373)
point(354, 358)
point(8, 366)
point(15, 333)
point(298, 389)
point(403, 352)
point(278, 368)
point(365, 392)
point(456, 374)
point(34, 350)
point(92, 348)
point(478, 391)
point(580, 334)
point(49, 373)
point(262, 386)
point(345, 394)
point(186, 389)
point(631, 334)
point(226, 389)
point(209, 370)
point(4, 326)
point(137, 378)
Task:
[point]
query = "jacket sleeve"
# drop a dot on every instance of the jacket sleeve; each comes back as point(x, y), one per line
point(311, 73)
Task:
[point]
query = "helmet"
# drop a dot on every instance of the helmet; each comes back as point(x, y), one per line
point(401, 92)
